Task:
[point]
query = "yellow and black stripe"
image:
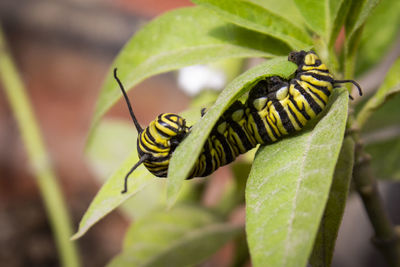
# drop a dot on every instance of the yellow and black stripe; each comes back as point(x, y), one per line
point(159, 140)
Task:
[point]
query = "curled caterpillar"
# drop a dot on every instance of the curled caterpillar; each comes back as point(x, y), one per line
point(274, 108)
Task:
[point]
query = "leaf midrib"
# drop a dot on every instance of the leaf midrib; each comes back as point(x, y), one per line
point(294, 203)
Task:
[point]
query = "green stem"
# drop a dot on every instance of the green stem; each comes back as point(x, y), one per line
point(38, 156)
point(386, 239)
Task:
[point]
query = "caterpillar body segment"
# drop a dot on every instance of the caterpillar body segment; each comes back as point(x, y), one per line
point(159, 141)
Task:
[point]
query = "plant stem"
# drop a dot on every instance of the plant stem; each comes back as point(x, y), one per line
point(38, 157)
point(386, 238)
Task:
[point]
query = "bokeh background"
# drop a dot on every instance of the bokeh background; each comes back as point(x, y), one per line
point(63, 50)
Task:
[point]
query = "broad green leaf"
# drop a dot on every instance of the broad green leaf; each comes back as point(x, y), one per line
point(187, 152)
point(255, 17)
point(181, 237)
point(389, 88)
point(176, 39)
point(380, 32)
point(288, 188)
point(328, 229)
point(386, 158)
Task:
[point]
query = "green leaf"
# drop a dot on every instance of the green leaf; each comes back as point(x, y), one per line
point(382, 140)
point(233, 193)
point(176, 39)
point(359, 12)
point(384, 118)
point(338, 12)
point(385, 158)
point(357, 15)
point(325, 242)
point(184, 236)
point(112, 143)
point(324, 17)
point(389, 88)
point(109, 196)
point(283, 8)
point(187, 152)
point(380, 31)
point(314, 14)
point(255, 17)
point(288, 188)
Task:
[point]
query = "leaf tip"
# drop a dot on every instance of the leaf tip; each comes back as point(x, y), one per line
point(76, 236)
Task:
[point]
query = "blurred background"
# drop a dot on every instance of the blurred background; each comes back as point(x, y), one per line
point(63, 50)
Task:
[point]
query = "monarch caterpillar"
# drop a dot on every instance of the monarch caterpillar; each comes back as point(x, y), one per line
point(274, 108)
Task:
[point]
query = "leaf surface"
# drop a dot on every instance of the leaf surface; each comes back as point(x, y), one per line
point(288, 188)
point(181, 237)
point(284, 8)
point(109, 196)
point(255, 17)
point(180, 38)
point(328, 230)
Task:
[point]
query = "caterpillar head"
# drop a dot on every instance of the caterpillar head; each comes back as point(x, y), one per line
point(297, 57)
point(170, 125)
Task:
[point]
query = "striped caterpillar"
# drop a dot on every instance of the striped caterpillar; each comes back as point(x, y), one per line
point(274, 108)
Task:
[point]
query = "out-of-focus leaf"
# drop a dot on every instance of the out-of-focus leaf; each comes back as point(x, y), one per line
point(255, 17)
point(109, 196)
point(338, 12)
point(234, 191)
point(324, 244)
point(180, 38)
point(112, 143)
point(380, 31)
point(181, 237)
point(382, 137)
point(288, 188)
point(284, 8)
point(385, 158)
point(385, 117)
point(314, 14)
point(187, 152)
point(389, 88)
point(325, 17)
point(357, 15)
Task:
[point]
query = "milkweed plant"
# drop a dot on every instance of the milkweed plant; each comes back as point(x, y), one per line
point(293, 191)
